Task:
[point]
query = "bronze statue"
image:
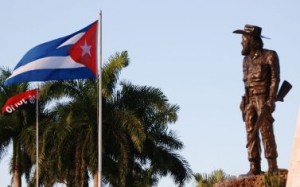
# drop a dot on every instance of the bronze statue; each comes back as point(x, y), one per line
point(261, 79)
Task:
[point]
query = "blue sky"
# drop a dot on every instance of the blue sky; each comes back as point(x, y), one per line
point(185, 48)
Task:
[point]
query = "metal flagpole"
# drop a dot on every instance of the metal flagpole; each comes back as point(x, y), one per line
point(99, 39)
point(37, 136)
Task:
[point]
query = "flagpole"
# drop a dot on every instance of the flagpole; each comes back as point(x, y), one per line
point(99, 49)
point(37, 136)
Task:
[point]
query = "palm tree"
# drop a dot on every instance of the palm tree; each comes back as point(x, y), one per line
point(148, 109)
point(20, 129)
point(68, 140)
point(11, 128)
point(77, 122)
point(158, 155)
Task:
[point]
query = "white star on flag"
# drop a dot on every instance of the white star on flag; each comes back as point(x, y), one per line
point(86, 49)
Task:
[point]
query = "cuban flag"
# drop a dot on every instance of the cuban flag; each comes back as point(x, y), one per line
point(66, 58)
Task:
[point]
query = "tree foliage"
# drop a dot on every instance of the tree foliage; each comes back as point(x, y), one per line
point(137, 146)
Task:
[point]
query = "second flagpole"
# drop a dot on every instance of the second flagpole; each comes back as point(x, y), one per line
point(37, 136)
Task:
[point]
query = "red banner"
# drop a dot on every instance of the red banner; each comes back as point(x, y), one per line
point(13, 103)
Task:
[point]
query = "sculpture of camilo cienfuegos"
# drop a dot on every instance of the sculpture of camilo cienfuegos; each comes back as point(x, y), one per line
point(261, 76)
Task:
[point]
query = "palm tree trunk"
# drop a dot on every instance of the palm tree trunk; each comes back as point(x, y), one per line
point(95, 179)
point(129, 177)
point(16, 178)
point(16, 164)
point(83, 178)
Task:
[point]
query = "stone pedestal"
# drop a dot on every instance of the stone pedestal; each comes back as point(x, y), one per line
point(253, 181)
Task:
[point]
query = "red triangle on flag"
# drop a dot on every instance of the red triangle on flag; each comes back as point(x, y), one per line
point(85, 49)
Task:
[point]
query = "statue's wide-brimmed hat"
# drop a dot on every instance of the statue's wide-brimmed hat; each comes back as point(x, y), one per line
point(251, 30)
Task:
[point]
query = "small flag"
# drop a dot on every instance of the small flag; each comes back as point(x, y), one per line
point(15, 102)
point(70, 57)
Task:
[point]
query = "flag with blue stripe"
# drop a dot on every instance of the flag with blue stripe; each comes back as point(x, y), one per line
point(70, 57)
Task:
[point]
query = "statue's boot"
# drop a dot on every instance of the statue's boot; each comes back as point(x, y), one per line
point(272, 165)
point(255, 169)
